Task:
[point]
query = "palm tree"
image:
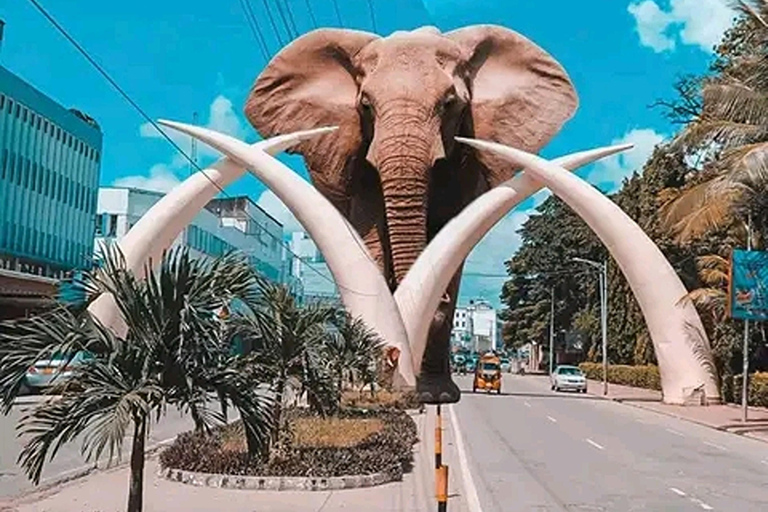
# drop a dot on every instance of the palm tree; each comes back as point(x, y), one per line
point(287, 340)
point(173, 354)
point(733, 124)
point(352, 349)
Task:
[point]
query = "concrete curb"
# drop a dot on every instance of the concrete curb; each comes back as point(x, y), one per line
point(276, 483)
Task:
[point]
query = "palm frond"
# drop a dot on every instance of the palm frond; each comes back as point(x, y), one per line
point(746, 166)
point(728, 134)
point(700, 209)
point(735, 102)
point(713, 270)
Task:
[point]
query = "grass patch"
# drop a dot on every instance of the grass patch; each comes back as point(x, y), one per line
point(333, 432)
point(383, 399)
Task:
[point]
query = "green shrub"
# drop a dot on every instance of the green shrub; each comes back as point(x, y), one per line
point(645, 376)
point(758, 389)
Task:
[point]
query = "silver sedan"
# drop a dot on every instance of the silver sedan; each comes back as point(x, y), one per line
point(568, 377)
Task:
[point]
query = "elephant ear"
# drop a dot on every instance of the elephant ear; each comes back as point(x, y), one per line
point(521, 96)
point(310, 84)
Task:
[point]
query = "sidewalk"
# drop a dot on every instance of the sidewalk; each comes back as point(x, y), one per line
point(107, 491)
point(722, 417)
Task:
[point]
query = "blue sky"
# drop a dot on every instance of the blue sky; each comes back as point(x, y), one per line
point(175, 58)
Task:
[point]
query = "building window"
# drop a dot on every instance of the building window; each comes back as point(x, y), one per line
point(2, 101)
point(18, 111)
point(112, 230)
point(4, 172)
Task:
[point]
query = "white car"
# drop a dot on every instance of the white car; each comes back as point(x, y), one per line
point(568, 377)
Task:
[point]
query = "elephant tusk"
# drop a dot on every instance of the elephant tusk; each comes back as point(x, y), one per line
point(419, 293)
point(680, 343)
point(156, 230)
point(362, 286)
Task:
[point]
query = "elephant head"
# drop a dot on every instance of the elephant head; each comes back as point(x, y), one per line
point(393, 167)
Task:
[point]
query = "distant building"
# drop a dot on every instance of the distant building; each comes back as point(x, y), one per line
point(476, 327)
point(310, 268)
point(223, 225)
point(49, 174)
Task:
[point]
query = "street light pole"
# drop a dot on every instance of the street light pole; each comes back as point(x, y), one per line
point(552, 330)
point(602, 268)
point(745, 348)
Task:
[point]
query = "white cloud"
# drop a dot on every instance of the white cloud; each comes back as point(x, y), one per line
point(161, 179)
point(221, 117)
point(610, 172)
point(275, 207)
point(699, 23)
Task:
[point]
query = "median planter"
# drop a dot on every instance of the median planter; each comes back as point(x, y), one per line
point(357, 448)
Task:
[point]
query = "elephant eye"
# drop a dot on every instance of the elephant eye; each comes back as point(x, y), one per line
point(365, 101)
point(448, 102)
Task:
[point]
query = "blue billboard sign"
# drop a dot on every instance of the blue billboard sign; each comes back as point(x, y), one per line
point(749, 285)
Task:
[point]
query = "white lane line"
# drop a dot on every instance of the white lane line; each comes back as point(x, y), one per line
point(595, 444)
point(701, 504)
point(677, 491)
point(473, 502)
point(764, 462)
point(675, 432)
point(527, 404)
point(713, 445)
point(550, 418)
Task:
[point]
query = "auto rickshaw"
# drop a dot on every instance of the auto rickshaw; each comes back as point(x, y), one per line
point(488, 374)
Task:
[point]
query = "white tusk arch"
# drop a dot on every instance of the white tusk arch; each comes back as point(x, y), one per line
point(679, 339)
point(156, 230)
point(419, 293)
point(362, 286)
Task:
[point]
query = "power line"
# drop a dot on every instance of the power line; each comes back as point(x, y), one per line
point(290, 16)
point(125, 95)
point(338, 13)
point(251, 19)
point(311, 13)
point(273, 23)
point(373, 16)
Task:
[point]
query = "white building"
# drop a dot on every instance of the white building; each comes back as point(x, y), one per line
point(476, 327)
point(225, 224)
point(310, 268)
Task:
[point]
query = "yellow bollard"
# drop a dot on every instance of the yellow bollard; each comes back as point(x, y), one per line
point(442, 489)
point(438, 440)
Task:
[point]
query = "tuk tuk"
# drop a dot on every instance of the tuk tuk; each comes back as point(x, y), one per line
point(488, 374)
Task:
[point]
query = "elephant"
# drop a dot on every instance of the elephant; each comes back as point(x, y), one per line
point(392, 167)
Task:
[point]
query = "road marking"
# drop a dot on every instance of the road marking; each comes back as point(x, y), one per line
point(701, 504)
point(550, 418)
point(677, 491)
point(764, 462)
point(527, 404)
point(675, 432)
point(713, 445)
point(595, 444)
point(473, 502)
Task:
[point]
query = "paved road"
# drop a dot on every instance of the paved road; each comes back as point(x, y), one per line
point(68, 459)
point(531, 449)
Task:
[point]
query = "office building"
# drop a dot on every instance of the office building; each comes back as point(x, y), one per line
point(476, 327)
point(309, 266)
point(232, 224)
point(49, 174)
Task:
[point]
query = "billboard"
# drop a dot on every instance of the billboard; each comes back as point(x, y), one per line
point(748, 295)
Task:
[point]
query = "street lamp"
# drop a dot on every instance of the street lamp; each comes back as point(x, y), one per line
point(602, 269)
point(552, 330)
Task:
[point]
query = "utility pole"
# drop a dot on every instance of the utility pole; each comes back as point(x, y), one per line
point(193, 156)
point(552, 330)
point(602, 269)
point(745, 348)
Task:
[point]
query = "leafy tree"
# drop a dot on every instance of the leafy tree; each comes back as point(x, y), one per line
point(173, 354)
point(352, 349)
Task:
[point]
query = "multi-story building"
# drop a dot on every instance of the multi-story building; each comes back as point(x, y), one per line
point(476, 327)
point(49, 175)
point(235, 224)
point(309, 266)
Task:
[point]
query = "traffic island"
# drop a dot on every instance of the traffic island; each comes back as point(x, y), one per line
point(354, 449)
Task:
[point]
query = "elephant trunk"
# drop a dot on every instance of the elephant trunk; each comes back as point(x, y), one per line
point(405, 146)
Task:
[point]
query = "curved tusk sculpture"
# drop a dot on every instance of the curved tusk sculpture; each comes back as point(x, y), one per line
point(679, 340)
point(419, 293)
point(156, 230)
point(362, 286)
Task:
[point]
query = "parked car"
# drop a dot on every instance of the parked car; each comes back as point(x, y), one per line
point(506, 365)
point(47, 372)
point(568, 377)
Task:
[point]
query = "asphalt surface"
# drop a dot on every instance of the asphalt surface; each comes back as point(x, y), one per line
point(68, 460)
point(532, 449)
